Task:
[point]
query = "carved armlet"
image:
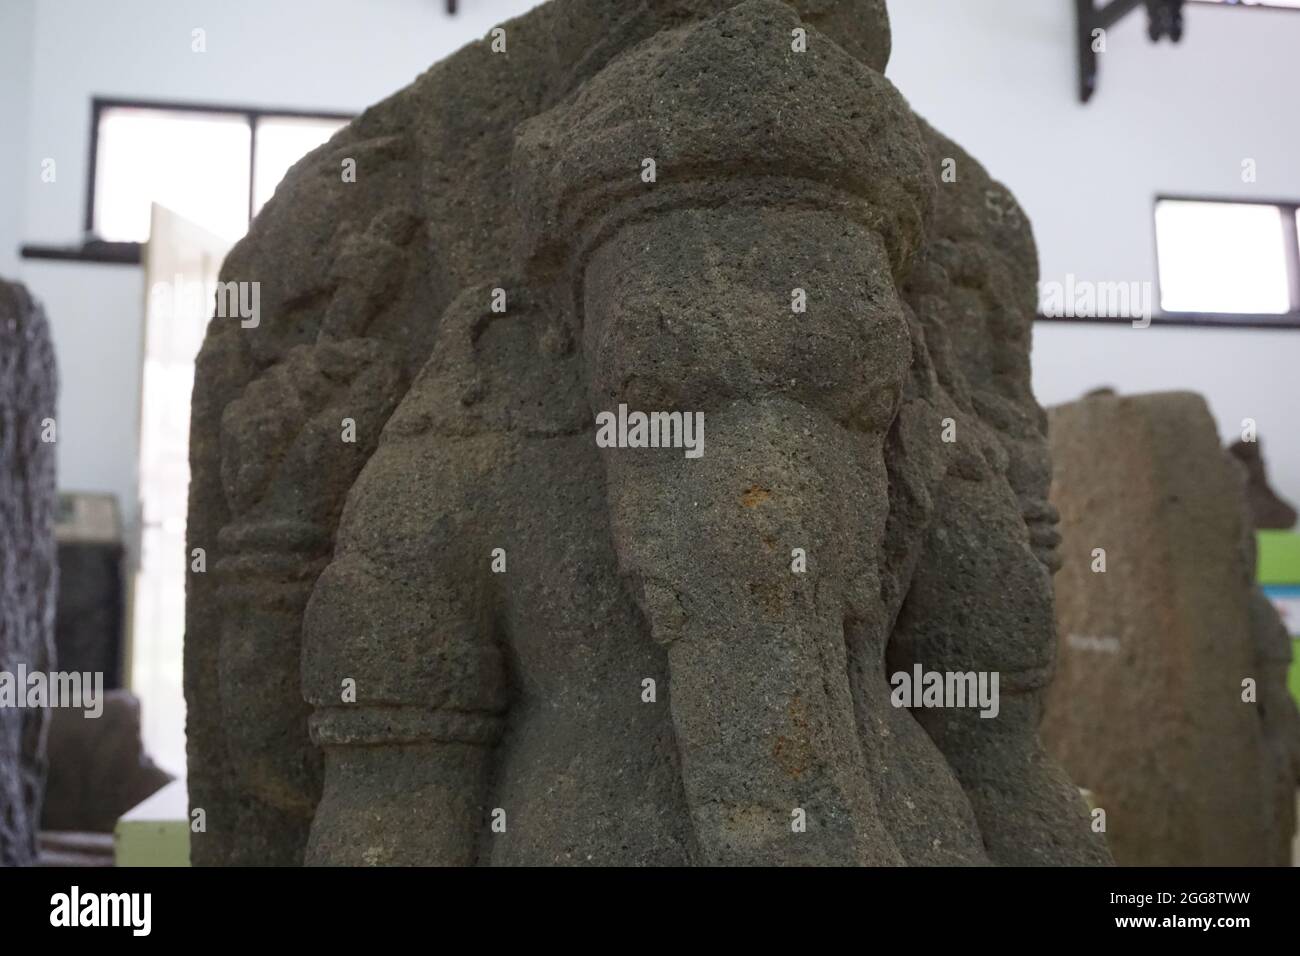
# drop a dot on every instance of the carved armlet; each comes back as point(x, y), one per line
point(271, 563)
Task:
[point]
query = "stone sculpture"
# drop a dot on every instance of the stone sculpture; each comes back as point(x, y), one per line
point(471, 635)
point(1267, 509)
point(28, 574)
point(1170, 703)
point(98, 769)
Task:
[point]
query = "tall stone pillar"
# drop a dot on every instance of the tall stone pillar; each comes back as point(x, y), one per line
point(28, 387)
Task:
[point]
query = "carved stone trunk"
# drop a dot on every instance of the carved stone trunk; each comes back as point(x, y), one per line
point(28, 573)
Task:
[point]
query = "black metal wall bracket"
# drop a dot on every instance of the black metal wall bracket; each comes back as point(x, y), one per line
point(1164, 19)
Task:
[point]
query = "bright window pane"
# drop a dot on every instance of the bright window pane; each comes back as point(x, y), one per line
point(281, 142)
point(193, 163)
point(1222, 257)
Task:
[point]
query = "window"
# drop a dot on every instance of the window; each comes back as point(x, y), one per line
point(1225, 259)
point(215, 166)
point(281, 142)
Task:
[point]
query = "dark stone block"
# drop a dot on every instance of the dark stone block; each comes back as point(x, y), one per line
point(89, 624)
point(98, 768)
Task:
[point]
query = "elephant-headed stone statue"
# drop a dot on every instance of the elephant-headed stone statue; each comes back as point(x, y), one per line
point(448, 625)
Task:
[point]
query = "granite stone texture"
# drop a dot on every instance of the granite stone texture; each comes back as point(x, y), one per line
point(28, 573)
point(1170, 703)
point(470, 634)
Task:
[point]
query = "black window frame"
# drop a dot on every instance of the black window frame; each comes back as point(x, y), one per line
point(251, 115)
point(1237, 320)
point(1212, 320)
point(91, 248)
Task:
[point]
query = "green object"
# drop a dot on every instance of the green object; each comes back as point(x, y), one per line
point(1279, 557)
point(1294, 675)
point(157, 832)
point(1279, 573)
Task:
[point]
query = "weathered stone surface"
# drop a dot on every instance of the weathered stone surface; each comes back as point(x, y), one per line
point(647, 680)
point(98, 768)
point(28, 575)
point(1267, 510)
point(1147, 709)
point(1273, 648)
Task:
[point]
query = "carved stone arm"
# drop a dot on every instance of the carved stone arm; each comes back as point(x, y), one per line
point(733, 241)
point(321, 411)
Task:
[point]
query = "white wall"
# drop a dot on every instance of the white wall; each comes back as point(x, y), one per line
point(17, 20)
point(998, 75)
